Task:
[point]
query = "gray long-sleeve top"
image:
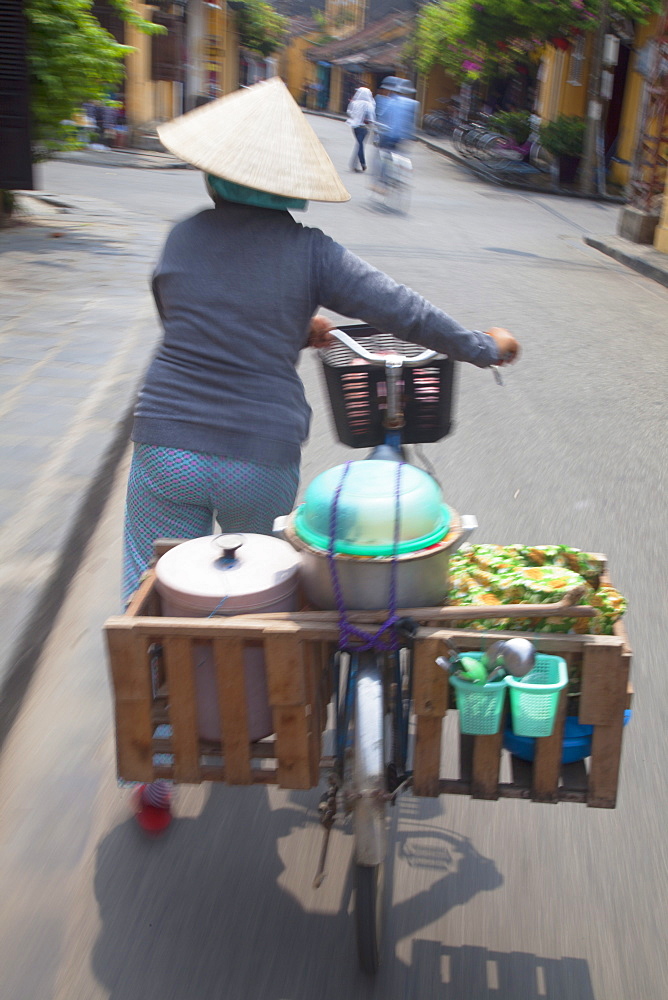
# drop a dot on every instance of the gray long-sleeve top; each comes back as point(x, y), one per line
point(236, 288)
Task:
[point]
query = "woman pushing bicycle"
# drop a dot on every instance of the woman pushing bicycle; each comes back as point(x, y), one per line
point(222, 413)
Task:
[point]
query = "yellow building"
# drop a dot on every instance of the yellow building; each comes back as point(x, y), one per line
point(563, 90)
point(197, 59)
point(362, 58)
point(294, 67)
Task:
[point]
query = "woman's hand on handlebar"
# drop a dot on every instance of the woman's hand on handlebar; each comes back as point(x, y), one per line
point(318, 334)
point(507, 346)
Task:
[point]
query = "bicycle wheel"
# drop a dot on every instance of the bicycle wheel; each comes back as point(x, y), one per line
point(495, 151)
point(458, 139)
point(369, 882)
point(397, 193)
point(540, 158)
point(472, 141)
point(369, 808)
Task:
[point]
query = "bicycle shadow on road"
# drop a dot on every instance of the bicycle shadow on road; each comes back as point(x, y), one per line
point(203, 913)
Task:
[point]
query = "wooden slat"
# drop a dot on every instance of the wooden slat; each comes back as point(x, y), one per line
point(292, 726)
point(286, 673)
point(242, 626)
point(145, 600)
point(314, 712)
point(131, 677)
point(486, 764)
point(427, 755)
point(606, 749)
point(547, 763)
point(180, 666)
point(162, 545)
point(603, 669)
point(447, 614)
point(430, 682)
point(228, 655)
point(606, 744)
point(454, 786)
point(602, 703)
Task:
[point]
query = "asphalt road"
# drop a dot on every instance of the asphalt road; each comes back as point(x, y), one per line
point(502, 900)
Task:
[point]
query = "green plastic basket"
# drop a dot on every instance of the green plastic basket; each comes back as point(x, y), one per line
point(534, 698)
point(480, 705)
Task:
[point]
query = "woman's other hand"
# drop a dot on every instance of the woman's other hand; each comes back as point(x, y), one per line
point(507, 346)
point(318, 334)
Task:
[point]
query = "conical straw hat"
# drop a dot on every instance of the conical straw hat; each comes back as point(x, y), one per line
point(258, 137)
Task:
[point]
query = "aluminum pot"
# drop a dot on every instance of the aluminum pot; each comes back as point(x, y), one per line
point(422, 576)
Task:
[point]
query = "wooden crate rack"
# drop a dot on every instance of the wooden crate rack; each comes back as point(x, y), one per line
point(297, 650)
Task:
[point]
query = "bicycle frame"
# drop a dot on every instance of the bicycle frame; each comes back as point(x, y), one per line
point(376, 688)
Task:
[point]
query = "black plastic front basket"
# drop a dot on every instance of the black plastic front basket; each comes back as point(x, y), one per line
point(358, 394)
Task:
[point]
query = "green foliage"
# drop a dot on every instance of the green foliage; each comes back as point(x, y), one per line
point(472, 39)
point(513, 124)
point(324, 34)
point(564, 136)
point(261, 28)
point(71, 59)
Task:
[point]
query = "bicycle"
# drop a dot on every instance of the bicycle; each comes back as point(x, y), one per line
point(500, 152)
point(468, 136)
point(442, 121)
point(398, 395)
point(393, 181)
point(373, 686)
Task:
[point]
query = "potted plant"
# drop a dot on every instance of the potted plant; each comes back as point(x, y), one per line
point(564, 139)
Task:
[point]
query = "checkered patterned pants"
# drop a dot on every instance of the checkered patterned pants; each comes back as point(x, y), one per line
point(177, 494)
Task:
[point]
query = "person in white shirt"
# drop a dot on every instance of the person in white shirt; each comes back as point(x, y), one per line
point(361, 114)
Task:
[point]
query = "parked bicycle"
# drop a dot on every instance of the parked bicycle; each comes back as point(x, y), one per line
point(502, 152)
point(468, 135)
point(444, 120)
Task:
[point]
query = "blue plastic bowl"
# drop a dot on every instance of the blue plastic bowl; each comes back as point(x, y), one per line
point(577, 741)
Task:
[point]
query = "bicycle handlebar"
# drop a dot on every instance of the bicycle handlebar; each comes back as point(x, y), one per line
point(392, 358)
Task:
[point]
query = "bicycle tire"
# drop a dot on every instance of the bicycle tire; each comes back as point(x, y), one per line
point(458, 139)
point(539, 158)
point(493, 149)
point(369, 779)
point(472, 141)
point(369, 881)
point(430, 124)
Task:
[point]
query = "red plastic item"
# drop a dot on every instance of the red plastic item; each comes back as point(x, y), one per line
point(152, 806)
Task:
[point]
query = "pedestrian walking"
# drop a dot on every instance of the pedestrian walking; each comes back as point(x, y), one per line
point(361, 117)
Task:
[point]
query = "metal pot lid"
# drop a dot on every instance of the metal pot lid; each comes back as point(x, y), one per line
point(229, 565)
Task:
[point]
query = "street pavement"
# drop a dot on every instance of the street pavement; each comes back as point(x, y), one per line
point(76, 331)
point(502, 900)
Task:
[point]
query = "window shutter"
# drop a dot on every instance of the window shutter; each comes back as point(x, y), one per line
point(15, 145)
point(167, 50)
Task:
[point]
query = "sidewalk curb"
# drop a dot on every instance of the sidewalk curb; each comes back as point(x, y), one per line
point(136, 159)
point(636, 261)
point(24, 656)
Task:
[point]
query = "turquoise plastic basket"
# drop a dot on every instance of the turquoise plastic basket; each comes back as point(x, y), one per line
point(534, 698)
point(480, 705)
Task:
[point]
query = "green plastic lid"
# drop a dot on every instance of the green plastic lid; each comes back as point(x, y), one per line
point(367, 508)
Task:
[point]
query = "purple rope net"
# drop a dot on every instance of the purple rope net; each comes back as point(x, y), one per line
point(350, 634)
